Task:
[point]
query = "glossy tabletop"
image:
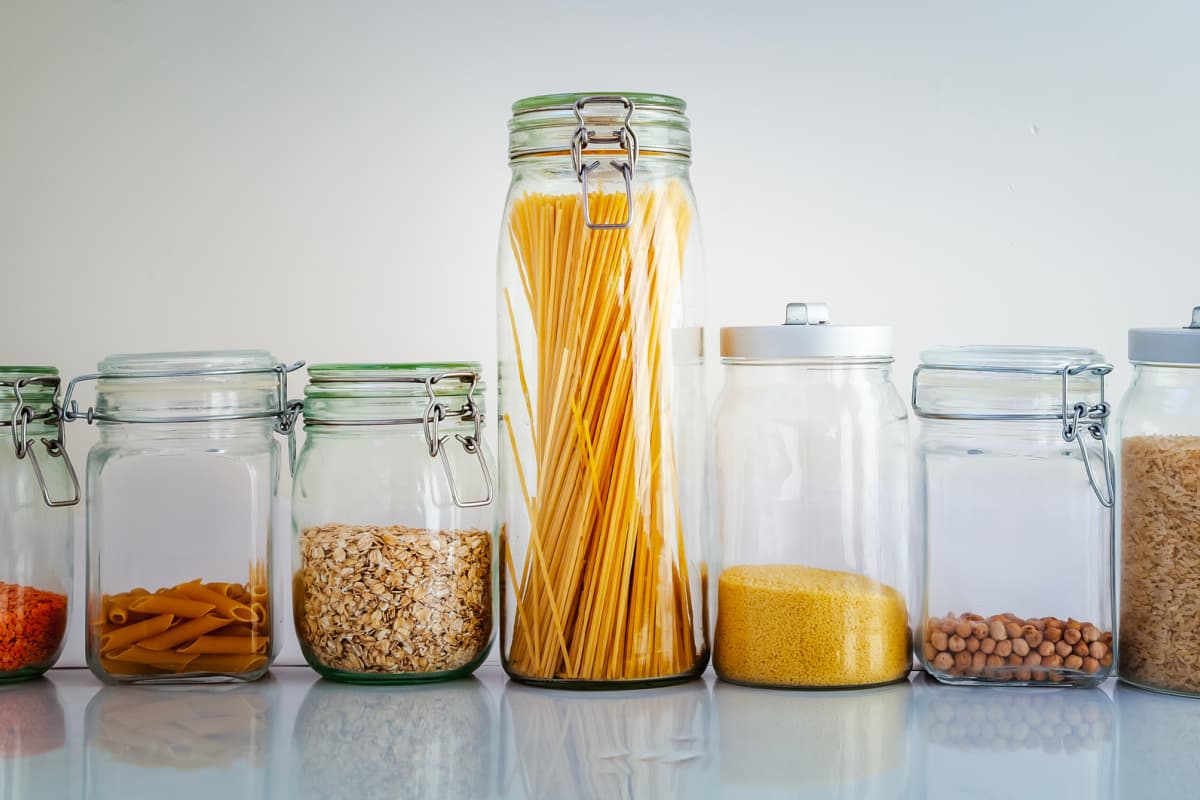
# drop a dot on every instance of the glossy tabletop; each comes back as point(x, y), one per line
point(293, 735)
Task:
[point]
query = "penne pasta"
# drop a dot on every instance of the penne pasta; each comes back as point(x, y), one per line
point(162, 604)
point(260, 613)
point(258, 592)
point(125, 668)
point(130, 634)
point(228, 589)
point(224, 606)
point(228, 663)
point(186, 632)
point(176, 662)
point(239, 630)
point(235, 645)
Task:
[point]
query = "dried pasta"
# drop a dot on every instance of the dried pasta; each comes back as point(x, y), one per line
point(603, 592)
point(191, 628)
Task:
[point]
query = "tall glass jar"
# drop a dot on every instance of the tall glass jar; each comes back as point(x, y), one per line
point(601, 497)
point(181, 495)
point(393, 551)
point(36, 550)
point(810, 465)
point(1014, 495)
point(1159, 634)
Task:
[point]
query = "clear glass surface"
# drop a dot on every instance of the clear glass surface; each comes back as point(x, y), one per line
point(601, 439)
point(810, 492)
point(180, 518)
point(1159, 509)
point(371, 507)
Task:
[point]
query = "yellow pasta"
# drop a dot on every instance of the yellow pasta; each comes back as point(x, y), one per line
point(258, 592)
point(163, 604)
point(122, 638)
point(225, 606)
point(227, 589)
point(260, 613)
point(154, 658)
point(185, 632)
point(228, 663)
point(235, 645)
point(604, 592)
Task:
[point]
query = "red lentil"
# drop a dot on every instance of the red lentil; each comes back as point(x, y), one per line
point(32, 624)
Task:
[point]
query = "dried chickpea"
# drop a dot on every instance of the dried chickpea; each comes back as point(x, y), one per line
point(1032, 660)
point(987, 646)
point(1091, 633)
point(1091, 665)
point(1004, 648)
point(1020, 647)
point(1012, 629)
point(995, 661)
point(1032, 635)
point(978, 661)
point(1072, 635)
point(1107, 660)
point(939, 639)
point(973, 644)
point(957, 644)
point(1014, 660)
point(929, 651)
point(972, 617)
point(1025, 675)
point(1063, 649)
point(943, 661)
point(1072, 662)
point(1046, 649)
point(1073, 624)
point(962, 659)
point(1053, 634)
point(1052, 661)
point(948, 625)
point(963, 628)
point(979, 629)
point(997, 630)
point(1080, 649)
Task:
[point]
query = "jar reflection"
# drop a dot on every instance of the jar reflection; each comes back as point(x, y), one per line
point(813, 744)
point(1059, 740)
point(1156, 744)
point(430, 741)
point(33, 759)
point(140, 738)
point(615, 746)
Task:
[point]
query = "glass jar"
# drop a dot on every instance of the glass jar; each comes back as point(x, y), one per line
point(393, 552)
point(1014, 494)
point(181, 495)
point(36, 549)
point(601, 468)
point(1159, 634)
point(810, 465)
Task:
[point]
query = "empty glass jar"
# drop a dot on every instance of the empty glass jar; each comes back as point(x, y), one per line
point(601, 467)
point(391, 507)
point(1159, 636)
point(810, 459)
point(37, 484)
point(181, 494)
point(1014, 493)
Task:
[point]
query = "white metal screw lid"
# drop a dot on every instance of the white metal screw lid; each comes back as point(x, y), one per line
point(1166, 345)
point(807, 333)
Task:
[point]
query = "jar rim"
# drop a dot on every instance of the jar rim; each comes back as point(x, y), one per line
point(1034, 358)
point(567, 100)
point(550, 124)
point(383, 380)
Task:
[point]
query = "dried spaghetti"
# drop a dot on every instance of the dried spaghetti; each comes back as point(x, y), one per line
point(603, 592)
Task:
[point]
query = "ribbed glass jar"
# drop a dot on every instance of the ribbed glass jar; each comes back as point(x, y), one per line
point(602, 404)
point(181, 498)
point(391, 508)
point(37, 486)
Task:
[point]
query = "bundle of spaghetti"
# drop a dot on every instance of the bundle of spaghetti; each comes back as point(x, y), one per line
point(603, 593)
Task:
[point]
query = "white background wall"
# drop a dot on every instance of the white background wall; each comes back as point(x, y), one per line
point(325, 180)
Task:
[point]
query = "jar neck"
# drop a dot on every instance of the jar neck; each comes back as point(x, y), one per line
point(261, 430)
point(808, 371)
point(1162, 376)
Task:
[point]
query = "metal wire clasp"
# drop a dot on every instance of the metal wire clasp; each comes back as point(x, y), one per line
point(435, 413)
point(623, 136)
point(22, 415)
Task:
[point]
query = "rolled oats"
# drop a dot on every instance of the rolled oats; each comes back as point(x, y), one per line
point(394, 599)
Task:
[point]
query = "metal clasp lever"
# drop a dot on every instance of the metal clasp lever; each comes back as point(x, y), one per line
point(1093, 418)
point(623, 136)
point(22, 415)
point(435, 413)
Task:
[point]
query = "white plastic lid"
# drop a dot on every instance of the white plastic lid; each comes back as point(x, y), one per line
point(1166, 345)
point(806, 333)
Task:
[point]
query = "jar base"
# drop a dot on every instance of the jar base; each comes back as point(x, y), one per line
point(178, 680)
point(573, 684)
point(1146, 687)
point(796, 687)
point(25, 674)
point(391, 678)
point(1072, 680)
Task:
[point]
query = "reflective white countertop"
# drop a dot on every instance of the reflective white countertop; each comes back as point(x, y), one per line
point(295, 736)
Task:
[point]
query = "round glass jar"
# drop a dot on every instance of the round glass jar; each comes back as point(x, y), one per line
point(1014, 493)
point(181, 498)
point(602, 403)
point(810, 465)
point(1159, 634)
point(37, 483)
point(391, 508)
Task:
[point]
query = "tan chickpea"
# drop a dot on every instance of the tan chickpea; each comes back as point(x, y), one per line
point(1072, 636)
point(1080, 649)
point(1004, 648)
point(1091, 665)
point(1046, 649)
point(929, 651)
point(1090, 633)
point(939, 639)
point(997, 630)
point(1107, 660)
point(1032, 635)
point(1052, 633)
point(1025, 675)
point(978, 661)
point(1097, 650)
point(995, 661)
point(972, 617)
point(1063, 649)
point(948, 625)
point(962, 659)
point(972, 645)
point(1014, 660)
point(987, 646)
point(1020, 647)
point(943, 661)
point(1013, 630)
point(1053, 661)
point(1032, 660)
point(1072, 662)
point(957, 644)
point(963, 628)
point(979, 629)
point(1073, 624)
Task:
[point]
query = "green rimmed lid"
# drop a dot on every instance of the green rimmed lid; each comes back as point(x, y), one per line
point(393, 380)
point(39, 393)
point(543, 102)
point(549, 124)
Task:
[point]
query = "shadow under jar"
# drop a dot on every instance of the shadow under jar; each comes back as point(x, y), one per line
point(391, 508)
point(37, 484)
point(1014, 495)
point(181, 496)
point(1159, 634)
point(810, 461)
point(602, 403)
